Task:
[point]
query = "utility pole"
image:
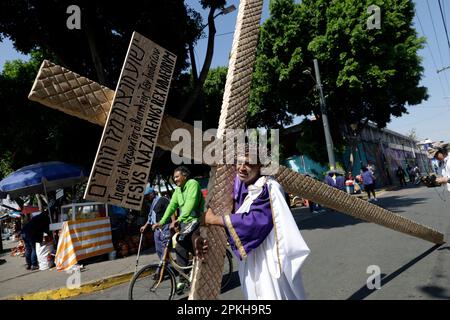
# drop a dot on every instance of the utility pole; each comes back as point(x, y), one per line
point(326, 126)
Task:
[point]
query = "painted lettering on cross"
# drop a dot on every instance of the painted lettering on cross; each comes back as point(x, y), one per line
point(124, 157)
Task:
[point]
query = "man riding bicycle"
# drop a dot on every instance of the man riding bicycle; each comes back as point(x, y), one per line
point(189, 199)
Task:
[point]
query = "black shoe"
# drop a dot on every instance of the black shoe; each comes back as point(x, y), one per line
point(28, 267)
point(181, 286)
point(34, 267)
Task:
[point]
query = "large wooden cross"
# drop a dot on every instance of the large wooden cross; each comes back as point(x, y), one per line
point(61, 89)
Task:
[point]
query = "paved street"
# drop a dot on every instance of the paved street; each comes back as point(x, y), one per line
point(342, 248)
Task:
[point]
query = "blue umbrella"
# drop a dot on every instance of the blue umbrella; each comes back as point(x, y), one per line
point(42, 177)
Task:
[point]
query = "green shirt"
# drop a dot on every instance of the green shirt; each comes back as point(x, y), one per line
point(190, 201)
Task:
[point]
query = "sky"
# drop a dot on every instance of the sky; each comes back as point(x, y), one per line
point(429, 119)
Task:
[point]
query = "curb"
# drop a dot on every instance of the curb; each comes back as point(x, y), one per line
point(65, 293)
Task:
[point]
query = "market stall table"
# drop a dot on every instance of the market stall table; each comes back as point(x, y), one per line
point(81, 239)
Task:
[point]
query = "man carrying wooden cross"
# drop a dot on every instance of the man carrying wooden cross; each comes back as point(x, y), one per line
point(263, 235)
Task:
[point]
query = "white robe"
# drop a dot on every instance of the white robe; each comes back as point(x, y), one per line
point(445, 172)
point(272, 270)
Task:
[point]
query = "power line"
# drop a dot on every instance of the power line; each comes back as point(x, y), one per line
point(443, 21)
point(437, 42)
point(435, 33)
point(217, 35)
point(431, 53)
point(445, 13)
point(422, 120)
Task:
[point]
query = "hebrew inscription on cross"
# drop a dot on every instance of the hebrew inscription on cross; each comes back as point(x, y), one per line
point(62, 89)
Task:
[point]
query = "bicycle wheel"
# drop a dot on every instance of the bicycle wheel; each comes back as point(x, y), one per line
point(227, 270)
point(145, 284)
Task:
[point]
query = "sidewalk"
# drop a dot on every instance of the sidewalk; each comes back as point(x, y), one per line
point(18, 283)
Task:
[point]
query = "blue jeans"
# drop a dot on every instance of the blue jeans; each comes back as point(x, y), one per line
point(30, 251)
point(161, 238)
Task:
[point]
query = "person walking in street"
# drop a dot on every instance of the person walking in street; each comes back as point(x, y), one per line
point(400, 173)
point(157, 206)
point(439, 152)
point(369, 183)
point(189, 199)
point(416, 172)
point(263, 235)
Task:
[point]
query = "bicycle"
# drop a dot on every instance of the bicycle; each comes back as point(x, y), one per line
point(157, 281)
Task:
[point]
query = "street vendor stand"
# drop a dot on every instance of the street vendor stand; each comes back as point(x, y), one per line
point(85, 232)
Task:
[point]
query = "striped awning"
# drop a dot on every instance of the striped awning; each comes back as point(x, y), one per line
point(83, 239)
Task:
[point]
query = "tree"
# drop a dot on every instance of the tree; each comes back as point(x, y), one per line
point(413, 134)
point(367, 75)
point(199, 79)
point(98, 49)
point(5, 165)
point(31, 132)
point(213, 94)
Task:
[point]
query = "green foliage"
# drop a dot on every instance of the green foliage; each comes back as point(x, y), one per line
point(367, 75)
point(213, 95)
point(33, 133)
point(5, 165)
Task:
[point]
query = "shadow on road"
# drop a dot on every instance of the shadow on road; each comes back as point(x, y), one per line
point(234, 282)
point(436, 292)
point(396, 202)
point(20, 276)
point(331, 219)
point(364, 292)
